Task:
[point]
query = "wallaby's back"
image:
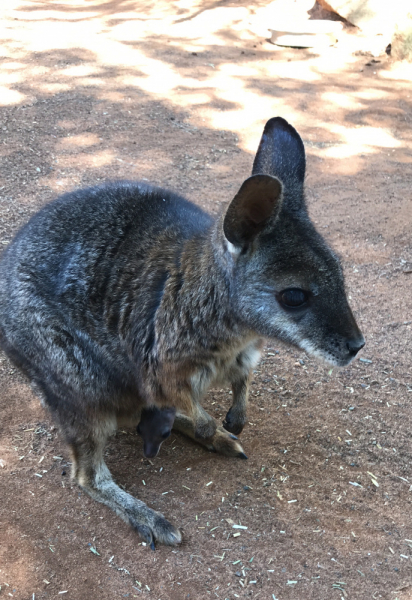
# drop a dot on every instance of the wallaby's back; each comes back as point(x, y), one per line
point(86, 270)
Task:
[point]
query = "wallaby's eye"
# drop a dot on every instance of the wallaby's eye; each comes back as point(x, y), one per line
point(293, 298)
point(165, 435)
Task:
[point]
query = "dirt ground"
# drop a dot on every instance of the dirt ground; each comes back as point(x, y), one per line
point(177, 93)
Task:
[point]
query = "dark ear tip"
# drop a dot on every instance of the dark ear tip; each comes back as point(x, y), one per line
point(280, 124)
point(277, 122)
point(281, 153)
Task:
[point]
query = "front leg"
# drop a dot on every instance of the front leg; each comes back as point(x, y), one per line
point(236, 416)
point(239, 375)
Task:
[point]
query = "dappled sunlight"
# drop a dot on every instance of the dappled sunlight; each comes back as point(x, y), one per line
point(82, 140)
point(80, 71)
point(96, 159)
point(372, 94)
point(345, 101)
point(400, 71)
point(10, 97)
point(140, 45)
point(10, 77)
point(55, 88)
point(362, 140)
point(135, 43)
point(209, 60)
point(12, 66)
point(203, 27)
point(58, 15)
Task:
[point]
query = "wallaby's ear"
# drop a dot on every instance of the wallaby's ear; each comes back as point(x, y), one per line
point(255, 206)
point(281, 154)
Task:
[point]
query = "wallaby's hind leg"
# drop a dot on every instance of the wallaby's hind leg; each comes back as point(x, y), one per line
point(92, 474)
point(222, 442)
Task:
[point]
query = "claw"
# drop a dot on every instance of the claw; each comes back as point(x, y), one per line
point(242, 455)
point(146, 534)
point(152, 546)
point(234, 437)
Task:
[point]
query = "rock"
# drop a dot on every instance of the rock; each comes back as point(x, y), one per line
point(390, 20)
point(371, 16)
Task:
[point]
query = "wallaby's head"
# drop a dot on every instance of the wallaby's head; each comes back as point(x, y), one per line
point(286, 282)
point(155, 427)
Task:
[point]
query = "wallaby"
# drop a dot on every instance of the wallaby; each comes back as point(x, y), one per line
point(155, 427)
point(126, 295)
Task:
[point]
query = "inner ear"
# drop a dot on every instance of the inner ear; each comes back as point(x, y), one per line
point(255, 206)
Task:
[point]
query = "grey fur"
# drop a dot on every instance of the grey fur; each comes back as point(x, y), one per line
point(125, 296)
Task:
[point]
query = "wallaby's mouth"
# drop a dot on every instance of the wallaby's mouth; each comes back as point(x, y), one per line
point(334, 358)
point(151, 451)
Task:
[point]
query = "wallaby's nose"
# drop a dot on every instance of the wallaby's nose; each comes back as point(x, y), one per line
point(149, 451)
point(355, 345)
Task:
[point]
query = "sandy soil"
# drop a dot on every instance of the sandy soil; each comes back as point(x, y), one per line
point(177, 93)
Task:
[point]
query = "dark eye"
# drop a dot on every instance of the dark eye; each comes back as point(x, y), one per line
point(165, 435)
point(293, 298)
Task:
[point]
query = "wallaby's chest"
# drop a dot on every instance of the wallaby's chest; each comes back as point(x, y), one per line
point(227, 367)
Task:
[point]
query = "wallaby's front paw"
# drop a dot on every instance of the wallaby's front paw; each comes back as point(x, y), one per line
point(234, 422)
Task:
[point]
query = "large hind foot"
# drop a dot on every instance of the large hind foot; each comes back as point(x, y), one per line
point(152, 526)
point(221, 442)
point(227, 444)
point(92, 474)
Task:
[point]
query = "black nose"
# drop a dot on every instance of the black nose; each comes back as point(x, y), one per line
point(355, 345)
point(150, 451)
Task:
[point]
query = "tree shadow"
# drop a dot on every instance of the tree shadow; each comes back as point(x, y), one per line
point(130, 106)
